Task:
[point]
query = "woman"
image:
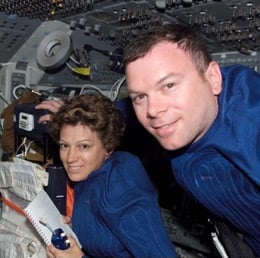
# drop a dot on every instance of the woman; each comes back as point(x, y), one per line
point(116, 212)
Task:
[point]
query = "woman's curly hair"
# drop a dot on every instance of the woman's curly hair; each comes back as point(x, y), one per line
point(95, 111)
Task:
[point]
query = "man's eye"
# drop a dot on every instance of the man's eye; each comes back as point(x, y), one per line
point(139, 98)
point(170, 85)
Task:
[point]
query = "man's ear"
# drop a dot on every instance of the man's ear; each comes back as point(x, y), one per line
point(213, 75)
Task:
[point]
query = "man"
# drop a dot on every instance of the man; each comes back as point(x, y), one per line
point(206, 116)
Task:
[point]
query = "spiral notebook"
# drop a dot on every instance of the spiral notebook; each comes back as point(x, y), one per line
point(45, 217)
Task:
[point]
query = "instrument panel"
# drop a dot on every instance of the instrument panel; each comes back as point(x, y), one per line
point(97, 33)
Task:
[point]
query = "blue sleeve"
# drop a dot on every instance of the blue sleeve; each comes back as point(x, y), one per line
point(240, 119)
point(141, 230)
point(224, 190)
point(133, 213)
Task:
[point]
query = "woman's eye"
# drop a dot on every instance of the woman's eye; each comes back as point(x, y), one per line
point(63, 146)
point(84, 146)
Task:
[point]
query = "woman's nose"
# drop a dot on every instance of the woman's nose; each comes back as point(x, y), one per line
point(72, 155)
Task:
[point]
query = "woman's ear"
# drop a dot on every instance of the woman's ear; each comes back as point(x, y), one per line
point(213, 75)
point(108, 154)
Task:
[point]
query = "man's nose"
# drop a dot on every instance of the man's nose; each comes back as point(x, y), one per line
point(155, 106)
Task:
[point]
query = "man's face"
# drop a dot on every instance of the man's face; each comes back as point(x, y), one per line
point(171, 99)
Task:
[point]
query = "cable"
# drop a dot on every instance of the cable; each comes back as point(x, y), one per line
point(113, 93)
point(27, 147)
point(16, 88)
point(92, 87)
point(115, 89)
point(74, 60)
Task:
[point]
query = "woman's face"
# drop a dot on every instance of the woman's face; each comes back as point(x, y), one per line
point(81, 151)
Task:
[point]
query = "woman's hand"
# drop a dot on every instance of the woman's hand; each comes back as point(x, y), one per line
point(51, 105)
point(73, 252)
point(67, 220)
